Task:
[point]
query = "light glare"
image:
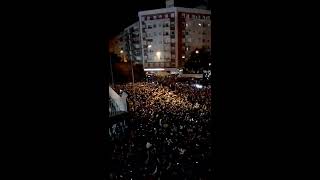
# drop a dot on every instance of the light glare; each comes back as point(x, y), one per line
point(199, 86)
point(153, 69)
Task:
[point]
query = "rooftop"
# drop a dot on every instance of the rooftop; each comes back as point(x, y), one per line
point(173, 9)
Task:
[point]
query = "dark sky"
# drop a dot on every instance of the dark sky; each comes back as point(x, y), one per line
point(129, 14)
point(124, 16)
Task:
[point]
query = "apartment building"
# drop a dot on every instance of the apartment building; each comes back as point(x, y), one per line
point(169, 35)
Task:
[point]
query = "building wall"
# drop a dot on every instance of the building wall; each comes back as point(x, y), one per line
point(132, 43)
point(175, 33)
point(159, 40)
point(127, 42)
point(195, 33)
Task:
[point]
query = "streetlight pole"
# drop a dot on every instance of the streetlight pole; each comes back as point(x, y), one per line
point(111, 71)
point(132, 73)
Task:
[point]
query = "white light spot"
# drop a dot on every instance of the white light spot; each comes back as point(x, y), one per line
point(153, 69)
point(183, 57)
point(149, 46)
point(199, 86)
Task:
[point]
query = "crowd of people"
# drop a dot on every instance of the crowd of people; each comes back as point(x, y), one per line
point(167, 133)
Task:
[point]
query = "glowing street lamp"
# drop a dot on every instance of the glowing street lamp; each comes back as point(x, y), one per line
point(121, 51)
point(197, 52)
point(158, 54)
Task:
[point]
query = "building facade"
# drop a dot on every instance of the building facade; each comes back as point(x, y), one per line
point(127, 44)
point(169, 35)
point(131, 42)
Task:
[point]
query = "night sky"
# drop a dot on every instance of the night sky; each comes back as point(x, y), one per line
point(126, 16)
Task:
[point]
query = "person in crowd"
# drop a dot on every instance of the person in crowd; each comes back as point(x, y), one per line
point(168, 132)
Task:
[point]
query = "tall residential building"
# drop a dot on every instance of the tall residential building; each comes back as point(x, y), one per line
point(170, 35)
point(127, 44)
point(132, 45)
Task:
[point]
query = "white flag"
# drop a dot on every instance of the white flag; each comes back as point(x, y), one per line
point(148, 145)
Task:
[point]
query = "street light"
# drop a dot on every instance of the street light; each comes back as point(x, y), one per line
point(123, 57)
point(132, 75)
point(197, 52)
point(158, 54)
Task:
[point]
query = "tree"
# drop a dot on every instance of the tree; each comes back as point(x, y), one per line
point(115, 58)
point(197, 62)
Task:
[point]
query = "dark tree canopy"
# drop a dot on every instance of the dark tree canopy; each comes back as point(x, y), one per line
point(197, 62)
